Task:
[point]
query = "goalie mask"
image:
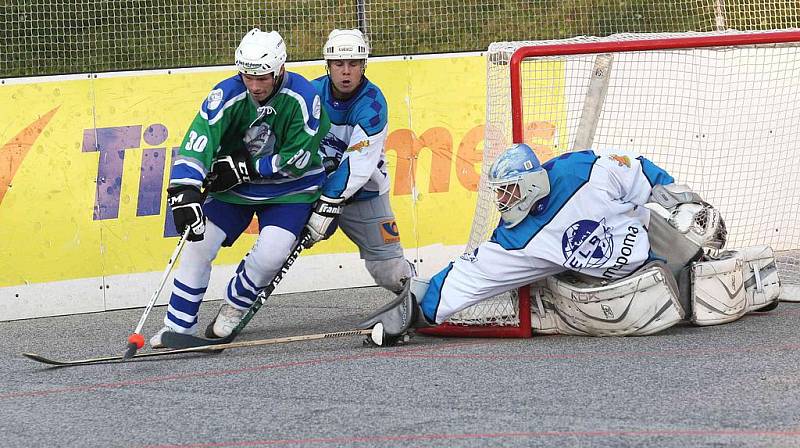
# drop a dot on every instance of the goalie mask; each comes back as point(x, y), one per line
point(346, 44)
point(261, 53)
point(518, 181)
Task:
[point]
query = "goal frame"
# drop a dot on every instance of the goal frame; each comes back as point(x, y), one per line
point(517, 130)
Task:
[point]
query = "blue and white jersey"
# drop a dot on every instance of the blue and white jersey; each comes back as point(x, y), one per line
point(593, 221)
point(358, 132)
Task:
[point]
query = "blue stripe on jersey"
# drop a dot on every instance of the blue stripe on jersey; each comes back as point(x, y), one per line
point(337, 181)
point(184, 171)
point(654, 174)
point(568, 173)
point(304, 89)
point(367, 108)
point(276, 190)
point(433, 295)
point(230, 87)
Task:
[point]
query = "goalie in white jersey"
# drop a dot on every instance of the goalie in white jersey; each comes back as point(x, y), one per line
point(601, 262)
point(355, 196)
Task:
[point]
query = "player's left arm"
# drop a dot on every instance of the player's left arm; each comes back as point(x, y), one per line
point(358, 163)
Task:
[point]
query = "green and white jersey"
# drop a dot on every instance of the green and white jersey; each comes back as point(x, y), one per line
point(283, 136)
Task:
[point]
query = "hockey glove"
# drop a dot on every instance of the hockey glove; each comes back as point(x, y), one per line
point(322, 222)
point(230, 171)
point(330, 164)
point(187, 211)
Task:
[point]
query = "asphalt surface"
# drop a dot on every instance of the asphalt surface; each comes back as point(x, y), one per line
point(731, 385)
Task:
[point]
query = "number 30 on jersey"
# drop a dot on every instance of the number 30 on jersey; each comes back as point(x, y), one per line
point(196, 142)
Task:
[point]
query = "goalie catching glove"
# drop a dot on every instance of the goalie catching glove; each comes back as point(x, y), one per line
point(322, 222)
point(230, 171)
point(187, 211)
point(688, 213)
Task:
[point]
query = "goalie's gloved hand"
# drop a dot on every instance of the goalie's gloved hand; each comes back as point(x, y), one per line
point(322, 222)
point(187, 211)
point(230, 171)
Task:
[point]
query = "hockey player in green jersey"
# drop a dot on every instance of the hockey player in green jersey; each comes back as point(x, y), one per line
point(254, 145)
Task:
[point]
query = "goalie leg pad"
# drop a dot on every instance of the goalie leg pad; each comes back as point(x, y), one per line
point(643, 303)
point(762, 286)
point(718, 290)
point(544, 317)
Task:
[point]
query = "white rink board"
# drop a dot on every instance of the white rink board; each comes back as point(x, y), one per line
point(309, 273)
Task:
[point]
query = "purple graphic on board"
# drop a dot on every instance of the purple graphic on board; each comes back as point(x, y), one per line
point(111, 143)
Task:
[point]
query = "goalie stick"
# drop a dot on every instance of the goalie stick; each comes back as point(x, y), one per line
point(182, 341)
point(215, 348)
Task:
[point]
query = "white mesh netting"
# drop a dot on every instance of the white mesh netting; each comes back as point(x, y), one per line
point(41, 37)
point(722, 119)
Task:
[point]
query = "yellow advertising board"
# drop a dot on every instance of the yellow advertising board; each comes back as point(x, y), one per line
point(84, 163)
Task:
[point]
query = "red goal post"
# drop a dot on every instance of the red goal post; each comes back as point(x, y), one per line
point(685, 100)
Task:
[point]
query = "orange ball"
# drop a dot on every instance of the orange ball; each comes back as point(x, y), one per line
point(137, 340)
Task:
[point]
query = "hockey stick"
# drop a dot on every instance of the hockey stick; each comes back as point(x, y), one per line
point(214, 348)
point(182, 341)
point(136, 340)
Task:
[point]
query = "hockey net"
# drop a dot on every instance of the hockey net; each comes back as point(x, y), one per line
point(718, 110)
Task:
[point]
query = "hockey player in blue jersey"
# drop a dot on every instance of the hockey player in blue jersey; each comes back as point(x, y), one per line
point(612, 245)
point(356, 194)
point(254, 143)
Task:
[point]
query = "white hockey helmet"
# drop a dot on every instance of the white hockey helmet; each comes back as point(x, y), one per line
point(345, 44)
point(261, 53)
point(518, 181)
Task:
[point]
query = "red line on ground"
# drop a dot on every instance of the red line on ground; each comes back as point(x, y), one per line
point(594, 355)
point(415, 352)
point(158, 379)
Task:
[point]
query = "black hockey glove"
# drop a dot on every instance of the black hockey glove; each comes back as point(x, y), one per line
point(322, 222)
point(230, 171)
point(186, 204)
point(330, 164)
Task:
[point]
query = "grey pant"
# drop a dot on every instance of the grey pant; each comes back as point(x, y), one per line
point(371, 225)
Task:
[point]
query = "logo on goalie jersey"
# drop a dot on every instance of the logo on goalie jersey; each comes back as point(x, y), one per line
point(587, 244)
point(622, 160)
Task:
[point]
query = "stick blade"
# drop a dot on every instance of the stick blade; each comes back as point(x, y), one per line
point(180, 341)
point(80, 362)
point(130, 352)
